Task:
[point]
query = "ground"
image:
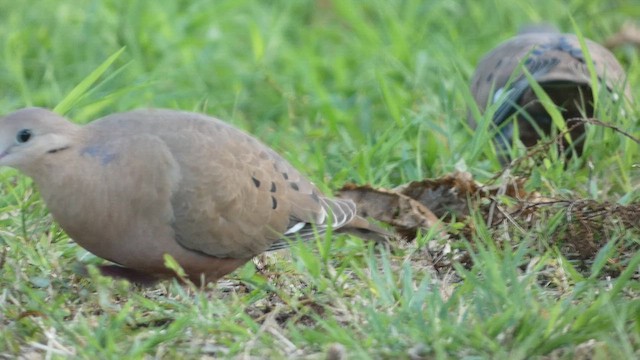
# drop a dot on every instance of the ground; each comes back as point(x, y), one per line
point(349, 92)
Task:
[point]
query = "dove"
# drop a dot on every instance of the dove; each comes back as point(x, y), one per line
point(556, 61)
point(133, 187)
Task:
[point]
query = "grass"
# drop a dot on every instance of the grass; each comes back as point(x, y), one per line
point(371, 92)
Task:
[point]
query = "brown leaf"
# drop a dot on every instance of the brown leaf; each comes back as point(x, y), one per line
point(403, 213)
point(446, 196)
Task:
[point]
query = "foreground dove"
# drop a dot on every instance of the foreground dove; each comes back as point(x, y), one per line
point(134, 186)
point(557, 63)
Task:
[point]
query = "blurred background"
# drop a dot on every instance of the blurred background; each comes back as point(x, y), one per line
point(335, 85)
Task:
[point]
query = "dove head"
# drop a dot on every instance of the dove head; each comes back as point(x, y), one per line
point(29, 135)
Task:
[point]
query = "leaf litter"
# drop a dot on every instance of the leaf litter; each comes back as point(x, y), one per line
point(452, 207)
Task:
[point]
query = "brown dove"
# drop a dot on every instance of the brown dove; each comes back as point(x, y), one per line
point(134, 186)
point(557, 63)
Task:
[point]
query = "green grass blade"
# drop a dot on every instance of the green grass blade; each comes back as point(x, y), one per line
point(593, 75)
point(548, 104)
point(80, 90)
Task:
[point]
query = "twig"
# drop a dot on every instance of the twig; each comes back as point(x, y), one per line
point(594, 121)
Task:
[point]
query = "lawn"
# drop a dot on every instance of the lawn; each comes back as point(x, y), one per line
point(349, 92)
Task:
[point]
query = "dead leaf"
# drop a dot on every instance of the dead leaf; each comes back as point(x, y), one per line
point(400, 211)
point(446, 196)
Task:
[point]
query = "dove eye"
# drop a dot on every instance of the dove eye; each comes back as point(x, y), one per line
point(23, 136)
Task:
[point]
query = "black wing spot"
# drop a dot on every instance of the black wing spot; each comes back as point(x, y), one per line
point(273, 187)
point(285, 176)
point(256, 181)
point(315, 197)
point(294, 186)
point(274, 203)
point(499, 63)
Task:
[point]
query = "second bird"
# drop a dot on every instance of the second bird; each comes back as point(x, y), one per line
point(557, 62)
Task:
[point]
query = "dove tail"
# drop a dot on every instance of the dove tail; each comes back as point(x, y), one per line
point(361, 228)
